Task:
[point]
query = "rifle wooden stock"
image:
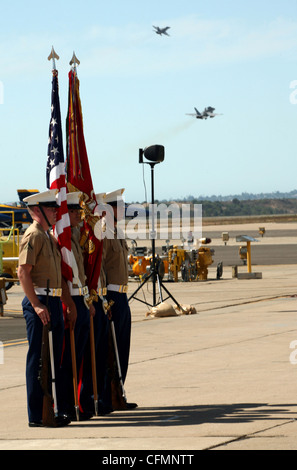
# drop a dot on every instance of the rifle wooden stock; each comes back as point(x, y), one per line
point(44, 377)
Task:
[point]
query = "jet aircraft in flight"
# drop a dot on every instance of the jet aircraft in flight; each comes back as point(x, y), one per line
point(207, 113)
point(161, 30)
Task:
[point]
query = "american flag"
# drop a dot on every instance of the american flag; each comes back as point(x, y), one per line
point(56, 179)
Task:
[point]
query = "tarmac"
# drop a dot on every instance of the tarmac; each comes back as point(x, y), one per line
point(224, 378)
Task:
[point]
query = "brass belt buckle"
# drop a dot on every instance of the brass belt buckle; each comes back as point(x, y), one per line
point(123, 289)
point(85, 290)
point(57, 292)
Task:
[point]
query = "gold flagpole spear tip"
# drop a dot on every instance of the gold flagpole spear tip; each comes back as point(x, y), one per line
point(53, 55)
point(74, 61)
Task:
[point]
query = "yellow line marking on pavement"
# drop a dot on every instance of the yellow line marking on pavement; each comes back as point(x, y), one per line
point(15, 343)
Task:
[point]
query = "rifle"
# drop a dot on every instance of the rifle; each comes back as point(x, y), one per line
point(74, 371)
point(87, 300)
point(118, 395)
point(93, 361)
point(47, 374)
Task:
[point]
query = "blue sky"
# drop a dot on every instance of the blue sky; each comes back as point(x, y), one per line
point(136, 88)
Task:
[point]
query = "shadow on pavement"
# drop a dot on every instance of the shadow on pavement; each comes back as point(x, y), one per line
point(194, 415)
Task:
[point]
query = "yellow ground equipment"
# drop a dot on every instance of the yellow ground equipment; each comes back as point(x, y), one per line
point(191, 264)
point(176, 258)
point(195, 267)
point(204, 260)
point(9, 252)
point(138, 265)
point(138, 261)
point(243, 254)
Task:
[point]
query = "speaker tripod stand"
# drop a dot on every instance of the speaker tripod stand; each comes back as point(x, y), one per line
point(156, 279)
point(154, 272)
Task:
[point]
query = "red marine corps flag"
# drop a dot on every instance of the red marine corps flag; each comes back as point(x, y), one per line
point(55, 175)
point(79, 179)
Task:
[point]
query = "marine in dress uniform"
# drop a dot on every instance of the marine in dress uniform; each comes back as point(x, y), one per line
point(79, 293)
point(39, 262)
point(101, 326)
point(115, 267)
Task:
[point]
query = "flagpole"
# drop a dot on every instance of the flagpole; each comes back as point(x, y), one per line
point(53, 56)
point(74, 62)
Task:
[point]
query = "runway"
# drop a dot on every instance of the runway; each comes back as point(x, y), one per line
point(278, 247)
point(261, 255)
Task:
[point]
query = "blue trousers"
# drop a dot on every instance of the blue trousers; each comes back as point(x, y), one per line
point(121, 316)
point(101, 347)
point(81, 336)
point(34, 334)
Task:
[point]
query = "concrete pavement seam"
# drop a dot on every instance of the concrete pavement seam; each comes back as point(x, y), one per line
point(249, 436)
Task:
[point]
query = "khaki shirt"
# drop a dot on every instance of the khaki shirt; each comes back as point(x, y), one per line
point(78, 255)
point(115, 261)
point(39, 249)
point(102, 278)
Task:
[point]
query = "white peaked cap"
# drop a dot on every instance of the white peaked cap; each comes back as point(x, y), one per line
point(46, 198)
point(100, 198)
point(73, 199)
point(114, 196)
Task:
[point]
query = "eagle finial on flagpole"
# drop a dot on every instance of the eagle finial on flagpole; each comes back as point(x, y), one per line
point(53, 55)
point(74, 61)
